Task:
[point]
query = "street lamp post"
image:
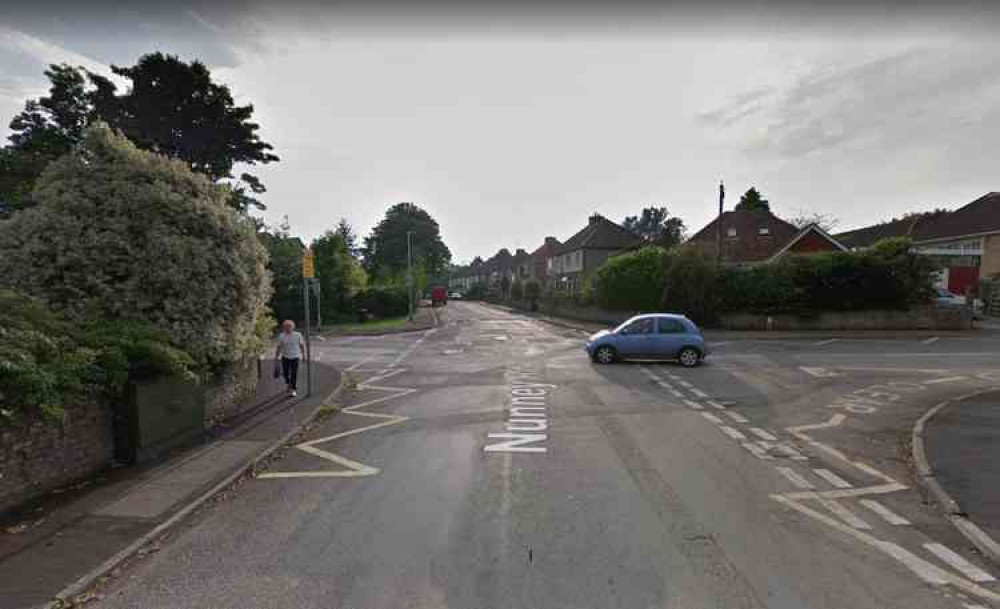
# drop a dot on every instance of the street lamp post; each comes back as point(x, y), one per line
point(409, 275)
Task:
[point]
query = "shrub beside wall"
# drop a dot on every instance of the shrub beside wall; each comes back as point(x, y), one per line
point(632, 281)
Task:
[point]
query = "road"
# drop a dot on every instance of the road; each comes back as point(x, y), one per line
point(488, 463)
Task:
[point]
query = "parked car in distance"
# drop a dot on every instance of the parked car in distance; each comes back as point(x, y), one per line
point(944, 298)
point(455, 296)
point(650, 336)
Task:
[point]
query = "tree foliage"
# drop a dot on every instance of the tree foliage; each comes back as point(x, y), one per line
point(340, 276)
point(171, 107)
point(384, 249)
point(119, 233)
point(656, 226)
point(285, 265)
point(47, 360)
point(804, 218)
point(346, 232)
point(753, 201)
point(631, 281)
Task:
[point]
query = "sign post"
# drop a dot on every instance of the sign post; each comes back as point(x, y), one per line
point(308, 276)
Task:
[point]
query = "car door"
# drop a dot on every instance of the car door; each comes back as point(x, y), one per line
point(634, 339)
point(669, 337)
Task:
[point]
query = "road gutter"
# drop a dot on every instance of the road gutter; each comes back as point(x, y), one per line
point(925, 474)
point(67, 597)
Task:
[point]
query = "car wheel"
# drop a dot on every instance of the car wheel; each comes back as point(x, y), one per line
point(605, 355)
point(689, 357)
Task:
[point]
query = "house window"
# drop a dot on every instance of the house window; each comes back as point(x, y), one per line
point(731, 232)
point(763, 231)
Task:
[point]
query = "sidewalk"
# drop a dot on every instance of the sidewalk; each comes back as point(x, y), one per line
point(424, 318)
point(72, 536)
point(713, 335)
point(962, 446)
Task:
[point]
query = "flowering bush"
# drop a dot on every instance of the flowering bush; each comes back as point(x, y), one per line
point(123, 234)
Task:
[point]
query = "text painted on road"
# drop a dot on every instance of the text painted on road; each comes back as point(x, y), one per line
point(527, 423)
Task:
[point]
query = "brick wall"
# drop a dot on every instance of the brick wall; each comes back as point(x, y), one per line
point(38, 456)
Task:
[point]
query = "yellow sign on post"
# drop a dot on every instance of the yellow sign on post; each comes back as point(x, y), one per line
point(308, 265)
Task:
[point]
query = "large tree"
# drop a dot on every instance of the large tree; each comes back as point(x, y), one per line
point(170, 107)
point(752, 200)
point(346, 232)
point(655, 226)
point(285, 264)
point(384, 250)
point(119, 233)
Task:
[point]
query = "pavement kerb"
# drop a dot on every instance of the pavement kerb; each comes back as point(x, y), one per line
point(436, 323)
point(66, 597)
point(925, 474)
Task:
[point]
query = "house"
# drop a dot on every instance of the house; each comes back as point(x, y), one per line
point(543, 261)
point(587, 250)
point(521, 264)
point(964, 242)
point(750, 237)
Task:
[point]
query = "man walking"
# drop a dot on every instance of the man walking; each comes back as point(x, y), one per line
point(289, 349)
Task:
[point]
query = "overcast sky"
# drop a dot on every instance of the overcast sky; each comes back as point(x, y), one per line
point(510, 124)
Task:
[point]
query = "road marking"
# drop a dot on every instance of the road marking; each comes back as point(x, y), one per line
point(950, 379)
point(732, 433)
point(888, 515)
point(673, 390)
point(845, 514)
point(825, 342)
point(693, 404)
point(958, 563)
point(683, 383)
point(833, 478)
point(968, 606)
point(757, 451)
point(795, 478)
point(931, 340)
point(737, 417)
point(715, 405)
point(791, 453)
point(763, 434)
point(711, 417)
point(878, 369)
point(818, 372)
point(923, 569)
point(699, 393)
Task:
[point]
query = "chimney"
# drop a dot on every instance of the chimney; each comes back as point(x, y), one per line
point(520, 252)
point(595, 218)
point(550, 241)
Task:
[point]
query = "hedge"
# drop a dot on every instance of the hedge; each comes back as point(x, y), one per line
point(631, 281)
point(384, 301)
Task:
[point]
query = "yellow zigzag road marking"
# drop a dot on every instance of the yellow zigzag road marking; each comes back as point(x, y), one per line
point(353, 469)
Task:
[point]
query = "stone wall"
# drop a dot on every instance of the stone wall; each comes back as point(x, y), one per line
point(231, 389)
point(38, 456)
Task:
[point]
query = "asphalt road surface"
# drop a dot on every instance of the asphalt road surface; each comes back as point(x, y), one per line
point(488, 463)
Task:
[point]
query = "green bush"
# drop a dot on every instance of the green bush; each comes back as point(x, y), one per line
point(476, 292)
point(47, 360)
point(632, 281)
point(383, 301)
point(119, 233)
point(517, 290)
point(690, 284)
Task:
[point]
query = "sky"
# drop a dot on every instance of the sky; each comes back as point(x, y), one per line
point(512, 122)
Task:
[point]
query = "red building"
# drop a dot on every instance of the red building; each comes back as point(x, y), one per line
point(759, 236)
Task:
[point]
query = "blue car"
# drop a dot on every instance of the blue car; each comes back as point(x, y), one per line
point(654, 336)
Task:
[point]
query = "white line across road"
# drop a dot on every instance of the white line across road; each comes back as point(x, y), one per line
point(820, 343)
point(923, 569)
point(763, 434)
point(845, 514)
point(888, 515)
point(732, 433)
point(693, 404)
point(795, 478)
point(960, 564)
point(950, 379)
point(756, 450)
point(832, 478)
point(931, 340)
point(711, 417)
point(737, 417)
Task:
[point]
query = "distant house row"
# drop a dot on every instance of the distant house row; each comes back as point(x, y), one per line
point(966, 242)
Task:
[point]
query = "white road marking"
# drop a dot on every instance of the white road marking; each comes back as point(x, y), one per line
point(763, 434)
point(711, 417)
point(737, 417)
point(794, 477)
point(791, 453)
point(685, 384)
point(699, 393)
point(757, 451)
point(950, 379)
point(715, 405)
point(888, 515)
point(820, 343)
point(958, 563)
point(671, 389)
point(879, 369)
point(693, 404)
point(833, 478)
point(845, 514)
point(818, 372)
point(968, 606)
point(931, 340)
point(923, 569)
point(732, 433)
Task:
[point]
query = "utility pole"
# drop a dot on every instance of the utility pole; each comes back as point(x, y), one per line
point(409, 275)
point(319, 305)
point(308, 276)
point(718, 225)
